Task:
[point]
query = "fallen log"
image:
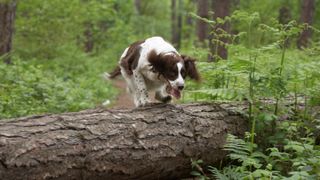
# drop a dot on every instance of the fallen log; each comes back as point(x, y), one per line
point(154, 142)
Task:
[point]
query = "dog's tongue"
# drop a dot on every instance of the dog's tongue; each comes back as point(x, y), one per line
point(176, 93)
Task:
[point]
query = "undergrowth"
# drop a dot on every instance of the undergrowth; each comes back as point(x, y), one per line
point(281, 84)
point(61, 85)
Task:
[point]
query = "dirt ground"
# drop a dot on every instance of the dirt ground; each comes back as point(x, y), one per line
point(123, 100)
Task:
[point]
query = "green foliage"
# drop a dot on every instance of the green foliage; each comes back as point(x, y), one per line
point(55, 75)
point(298, 160)
point(27, 88)
point(51, 73)
point(267, 73)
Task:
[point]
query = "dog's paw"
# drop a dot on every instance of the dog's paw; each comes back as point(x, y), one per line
point(164, 99)
point(143, 103)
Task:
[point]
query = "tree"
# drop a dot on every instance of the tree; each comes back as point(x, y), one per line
point(7, 17)
point(88, 35)
point(137, 4)
point(202, 11)
point(176, 22)
point(284, 18)
point(307, 14)
point(221, 9)
point(154, 142)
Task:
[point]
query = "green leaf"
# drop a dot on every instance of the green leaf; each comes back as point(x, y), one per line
point(195, 173)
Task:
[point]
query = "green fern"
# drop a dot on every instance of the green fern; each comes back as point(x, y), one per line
point(228, 173)
point(237, 147)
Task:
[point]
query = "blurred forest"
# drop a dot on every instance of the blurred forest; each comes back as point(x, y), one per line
point(53, 54)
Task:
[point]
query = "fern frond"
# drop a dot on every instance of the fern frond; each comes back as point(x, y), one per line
point(228, 173)
point(238, 148)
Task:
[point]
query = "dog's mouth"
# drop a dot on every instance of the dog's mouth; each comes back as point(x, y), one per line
point(174, 92)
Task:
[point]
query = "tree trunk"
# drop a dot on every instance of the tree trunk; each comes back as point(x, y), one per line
point(7, 16)
point(88, 35)
point(176, 22)
point(284, 18)
point(221, 9)
point(154, 142)
point(137, 4)
point(307, 14)
point(202, 27)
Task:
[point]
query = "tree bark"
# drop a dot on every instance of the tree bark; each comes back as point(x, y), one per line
point(202, 27)
point(7, 16)
point(221, 9)
point(307, 14)
point(154, 142)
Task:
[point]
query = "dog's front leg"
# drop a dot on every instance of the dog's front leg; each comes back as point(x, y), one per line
point(141, 92)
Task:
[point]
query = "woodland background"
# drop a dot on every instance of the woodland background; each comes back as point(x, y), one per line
point(53, 54)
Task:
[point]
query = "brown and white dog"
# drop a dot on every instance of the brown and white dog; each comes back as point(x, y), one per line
point(154, 64)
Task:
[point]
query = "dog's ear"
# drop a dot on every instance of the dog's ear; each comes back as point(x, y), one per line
point(191, 68)
point(158, 64)
point(161, 63)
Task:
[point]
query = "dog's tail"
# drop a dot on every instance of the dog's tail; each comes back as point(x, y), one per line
point(113, 74)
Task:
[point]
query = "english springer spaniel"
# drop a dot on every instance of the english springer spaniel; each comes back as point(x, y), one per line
point(154, 64)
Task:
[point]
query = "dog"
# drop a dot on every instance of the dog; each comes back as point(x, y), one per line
point(154, 64)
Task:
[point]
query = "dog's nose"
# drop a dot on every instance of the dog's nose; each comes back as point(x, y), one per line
point(180, 87)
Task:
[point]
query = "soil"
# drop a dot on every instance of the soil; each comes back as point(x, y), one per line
point(123, 100)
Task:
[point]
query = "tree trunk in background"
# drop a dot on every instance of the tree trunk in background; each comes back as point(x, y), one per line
point(88, 35)
point(202, 27)
point(221, 9)
point(173, 21)
point(137, 4)
point(284, 18)
point(307, 14)
point(284, 15)
point(153, 142)
point(7, 17)
point(176, 22)
point(180, 10)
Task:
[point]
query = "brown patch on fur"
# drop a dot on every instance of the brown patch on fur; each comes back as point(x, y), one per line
point(191, 69)
point(130, 61)
point(115, 72)
point(164, 64)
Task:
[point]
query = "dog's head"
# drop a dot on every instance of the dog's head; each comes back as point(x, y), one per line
point(174, 68)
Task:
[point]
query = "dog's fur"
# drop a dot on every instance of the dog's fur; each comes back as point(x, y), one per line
point(154, 64)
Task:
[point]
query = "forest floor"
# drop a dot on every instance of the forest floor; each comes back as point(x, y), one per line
point(123, 99)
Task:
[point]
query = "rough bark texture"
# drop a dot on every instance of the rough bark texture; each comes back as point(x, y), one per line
point(221, 9)
point(155, 142)
point(202, 11)
point(307, 13)
point(7, 16)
